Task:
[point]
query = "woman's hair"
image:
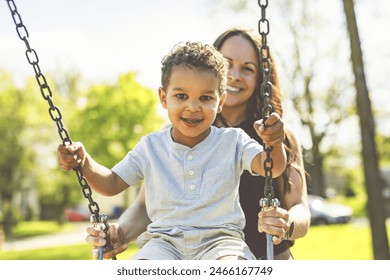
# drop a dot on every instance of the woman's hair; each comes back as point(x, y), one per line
point(195, 55)
point(256, 102)
point(294, 160)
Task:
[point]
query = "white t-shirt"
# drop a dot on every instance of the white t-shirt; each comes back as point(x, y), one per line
point(191, 187)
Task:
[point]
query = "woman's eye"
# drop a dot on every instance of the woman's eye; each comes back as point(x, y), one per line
point(248, 69)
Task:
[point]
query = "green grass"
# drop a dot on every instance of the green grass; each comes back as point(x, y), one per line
point(73, 252)
point(335, 242)
point(34, 228)
point(80, 251)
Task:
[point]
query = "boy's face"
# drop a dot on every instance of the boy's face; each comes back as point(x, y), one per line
point(193, 101)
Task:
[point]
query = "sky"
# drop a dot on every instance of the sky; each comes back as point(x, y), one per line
point(103, 39)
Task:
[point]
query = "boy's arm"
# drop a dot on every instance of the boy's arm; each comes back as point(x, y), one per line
point(100, 178)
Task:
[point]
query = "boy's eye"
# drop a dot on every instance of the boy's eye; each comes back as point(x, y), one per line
point(205, 98)
point(181, 95)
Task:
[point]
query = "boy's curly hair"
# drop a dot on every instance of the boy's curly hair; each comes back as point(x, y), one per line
point(195, 55)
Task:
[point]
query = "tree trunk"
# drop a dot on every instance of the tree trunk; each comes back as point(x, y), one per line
point(373, 181)
point(315, 181)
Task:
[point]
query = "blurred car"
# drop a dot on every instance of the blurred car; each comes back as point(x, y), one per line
point(77, 214)
point(324, 212)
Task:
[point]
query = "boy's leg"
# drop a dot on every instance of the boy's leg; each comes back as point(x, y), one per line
point(154, 247)
point(231, 258)
point(222, 246)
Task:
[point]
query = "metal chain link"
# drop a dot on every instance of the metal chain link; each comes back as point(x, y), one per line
point(56, 116)
point(266, 92)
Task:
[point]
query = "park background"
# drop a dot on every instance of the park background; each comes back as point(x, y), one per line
point(102, 61)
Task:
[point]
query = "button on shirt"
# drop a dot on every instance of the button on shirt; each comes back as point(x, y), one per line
point(191, 187)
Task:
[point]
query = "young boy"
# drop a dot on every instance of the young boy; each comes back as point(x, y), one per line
point(191, 169)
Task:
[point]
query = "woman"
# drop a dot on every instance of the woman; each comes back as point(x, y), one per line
point(242, 107)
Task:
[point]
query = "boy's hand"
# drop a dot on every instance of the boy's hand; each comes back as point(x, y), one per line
point(71, 156)
point(96, 238)
point(272, 133)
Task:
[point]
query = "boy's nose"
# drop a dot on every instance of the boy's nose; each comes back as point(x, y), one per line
point(193, 105)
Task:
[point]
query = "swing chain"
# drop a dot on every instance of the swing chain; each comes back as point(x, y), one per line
point(56, 116)
point(266, 92)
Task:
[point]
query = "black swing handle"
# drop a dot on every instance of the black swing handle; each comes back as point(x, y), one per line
point(100, 221)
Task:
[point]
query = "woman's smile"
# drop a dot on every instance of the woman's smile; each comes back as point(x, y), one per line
point(233, 90)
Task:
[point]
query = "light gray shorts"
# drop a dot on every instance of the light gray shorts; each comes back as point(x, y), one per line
point(210, 244)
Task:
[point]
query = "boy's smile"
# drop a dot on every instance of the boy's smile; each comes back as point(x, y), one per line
point(192, 122)
point(193, 101)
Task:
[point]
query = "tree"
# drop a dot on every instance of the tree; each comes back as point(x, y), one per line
point(57, 191)
point(383, 144)
point(319, 100)
point(15, 157)
point(373, 180)
point(114, 117)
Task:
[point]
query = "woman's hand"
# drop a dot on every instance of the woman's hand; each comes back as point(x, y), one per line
point(96, 237)
point(274, 221)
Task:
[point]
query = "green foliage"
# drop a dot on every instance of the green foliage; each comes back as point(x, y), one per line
point(353, 192)
point(383, 144)
point(111, 122)
point(15, 155)
point(9, 216)
point(55, 187)
point(115, 117)
point(12, 122)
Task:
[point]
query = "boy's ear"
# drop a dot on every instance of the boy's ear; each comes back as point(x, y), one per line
point(221, 102)
point(163, 97)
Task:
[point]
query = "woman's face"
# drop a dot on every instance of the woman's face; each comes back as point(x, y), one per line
point(243, 70)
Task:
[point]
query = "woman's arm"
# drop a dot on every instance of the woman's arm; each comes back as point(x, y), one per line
point(277, 221)
point(135, 219)
point(295, 200)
